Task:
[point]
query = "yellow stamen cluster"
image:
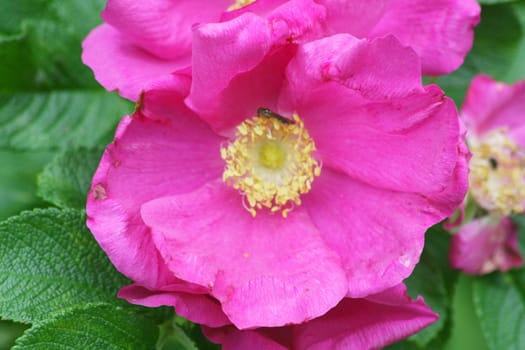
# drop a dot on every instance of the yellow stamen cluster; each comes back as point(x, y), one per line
point(240, 4)
point(497, 173)
point(270, 162)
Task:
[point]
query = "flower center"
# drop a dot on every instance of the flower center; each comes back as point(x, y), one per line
point(272, 155)
point(270, 162)
point(497, 173)
point(240, 4)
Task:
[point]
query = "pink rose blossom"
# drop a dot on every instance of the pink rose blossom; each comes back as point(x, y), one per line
point(369, 323)
point(142, 40)
point(365, 157)
point(485, 245)
point(493, 116)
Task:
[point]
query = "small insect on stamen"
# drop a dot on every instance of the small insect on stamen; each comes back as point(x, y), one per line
point(266, 113)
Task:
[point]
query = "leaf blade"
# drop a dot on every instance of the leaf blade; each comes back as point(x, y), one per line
point(58, 119)
point(94, 327)
point(49, 262)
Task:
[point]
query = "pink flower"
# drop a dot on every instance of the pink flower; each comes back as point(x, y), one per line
point(249, 218)
point(485, 245)
point(369, 323)
point(144, 40)
point(493, 115)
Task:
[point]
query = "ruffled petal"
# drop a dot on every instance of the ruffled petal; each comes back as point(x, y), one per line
point(260, 7)
point(297, 21)
point(354, 17)
point(356, 64)
point(238, 65)
point(440, 31)
point(279, 269)
point(147, 159)
point(120, 65)
point(291, 20)
point(232, 338)
point(354, 324)
point(221, 52)
point(485, 245)
point(390, 159)
point(163, 98)
point(490, 105)
point(196, 307)
point(370, 323)
point(378, 234)
point(369, 118)
point(162, 27)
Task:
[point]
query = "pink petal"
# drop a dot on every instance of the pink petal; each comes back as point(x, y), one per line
point(146, 160)
point(260, 7)
point(290, 21)
point(354, 17)
point(485, 245)
point(358, 65)
point(238, 65)
point(370, 323)
point(440, 31)
point(297, 21)
point(221, 52)
point(461, 173)
point(199, 308)
point(490, 105)
point(390, 159)
point(342, 97)
point(162, 27)
point(379, 234)
point(120, 65)
point(163, 98)
point(232, 338)
point(277, 268)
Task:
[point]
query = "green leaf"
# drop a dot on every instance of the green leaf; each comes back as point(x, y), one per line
point(493, 2)
point(15, 53)
point(92, 327)
point(58, 119)
point(40, 47)
point(193, 332)
point(433, 279)
point(517, 70)
point(49, 261)
point(52, 31)
point(17, 180)
point(9, 331)
point(499, 50)
point(466, 330)
point(65, 181)
point(15, 12)
point(500, 306)
point(173, 337)
point(519, 220)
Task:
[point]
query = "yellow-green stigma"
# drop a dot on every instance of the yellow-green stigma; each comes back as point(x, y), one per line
point(270, 162)
point(272, 155)
point(497, 173)
point(240, 4)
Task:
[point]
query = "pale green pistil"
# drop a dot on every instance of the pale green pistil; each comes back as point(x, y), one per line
point(272, 156)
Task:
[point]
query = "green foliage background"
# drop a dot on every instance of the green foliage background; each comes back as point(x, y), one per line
point(57, 288)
